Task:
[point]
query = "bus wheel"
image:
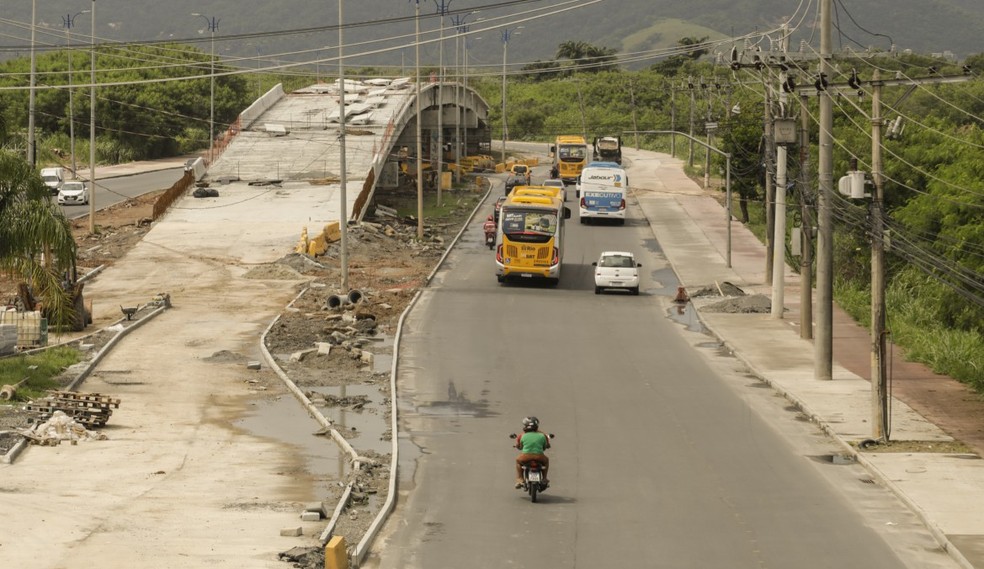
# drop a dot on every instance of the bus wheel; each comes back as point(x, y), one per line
point(500, 278)
point(553, 282)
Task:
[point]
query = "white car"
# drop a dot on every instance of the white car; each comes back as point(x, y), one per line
point(617, 270)
point(73, 193)
point(554, 183)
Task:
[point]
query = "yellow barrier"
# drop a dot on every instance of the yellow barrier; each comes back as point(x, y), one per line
point(335, 554)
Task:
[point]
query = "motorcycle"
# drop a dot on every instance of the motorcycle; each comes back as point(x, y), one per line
point(490, 228)
point(533, 482)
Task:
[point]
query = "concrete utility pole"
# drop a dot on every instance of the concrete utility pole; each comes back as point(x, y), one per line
point(419, 102)
point(672, 120)
point(879, 381)
point(342, 178)
point(823, 344)
point(92, 125)
point(31, 158)
point(779, 240)
point(806, 233)
point(693, 102)
point(635, 125)
point(770, 192)
point(69, 21)
point(707, 134)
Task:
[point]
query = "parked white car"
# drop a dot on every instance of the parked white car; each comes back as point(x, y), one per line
point(617, 270)
point(73, 192)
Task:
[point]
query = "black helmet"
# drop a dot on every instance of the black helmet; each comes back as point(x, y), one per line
point(530, 424)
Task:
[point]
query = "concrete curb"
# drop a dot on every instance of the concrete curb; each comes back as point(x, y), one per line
point(362, 549)
point(18, 448)
point(829, 430)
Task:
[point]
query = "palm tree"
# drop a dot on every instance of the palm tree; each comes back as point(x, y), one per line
point(583, 53)
point(31, 224)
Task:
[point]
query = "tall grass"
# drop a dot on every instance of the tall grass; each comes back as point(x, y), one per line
point(39, 370)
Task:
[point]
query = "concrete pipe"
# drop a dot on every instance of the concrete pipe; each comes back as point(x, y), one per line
point(355, 296)
point(335, 302)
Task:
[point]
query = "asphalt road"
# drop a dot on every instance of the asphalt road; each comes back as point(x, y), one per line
point(668, 454)
point(111, 191)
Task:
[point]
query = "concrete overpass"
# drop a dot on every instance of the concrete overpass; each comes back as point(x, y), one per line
point(287, 139)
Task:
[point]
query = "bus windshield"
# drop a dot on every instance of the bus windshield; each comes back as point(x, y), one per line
point(529, 225)
point(571, 152)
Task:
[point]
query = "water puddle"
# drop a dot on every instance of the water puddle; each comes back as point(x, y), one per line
point(686, 314)
point(359, 413)
point(284, 420)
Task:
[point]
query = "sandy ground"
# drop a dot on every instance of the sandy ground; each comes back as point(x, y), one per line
point(179, 482)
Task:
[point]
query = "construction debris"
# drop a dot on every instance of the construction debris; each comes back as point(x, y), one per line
point(90, 409)
point(60, 427)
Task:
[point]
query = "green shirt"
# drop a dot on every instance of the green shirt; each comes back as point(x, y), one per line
point(532, 442)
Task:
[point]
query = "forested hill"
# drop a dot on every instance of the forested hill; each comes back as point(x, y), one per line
point(924, 26)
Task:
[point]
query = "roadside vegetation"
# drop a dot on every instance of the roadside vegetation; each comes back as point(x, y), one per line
point(35, 373)
point(933, 167)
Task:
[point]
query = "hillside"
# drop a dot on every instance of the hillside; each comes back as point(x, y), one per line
point(627, 25)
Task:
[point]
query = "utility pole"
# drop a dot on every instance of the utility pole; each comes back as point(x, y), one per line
point(779, 240)
point(707, 134)
point(823, 344)
point(31, 158)
point(770, 219)
point(672, 120)
point(342, 178)
point(419, 103)
point(635, 125)
point(92, 126)
point(806, 233)
point(879, 381)
point(69, 21)
point(580, 103)
point(693, 102)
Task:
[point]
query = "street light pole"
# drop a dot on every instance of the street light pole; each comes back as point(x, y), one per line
point(213, 25)
point(92, 124)
point(460, 28)
point(69, 21)
point(506, 34)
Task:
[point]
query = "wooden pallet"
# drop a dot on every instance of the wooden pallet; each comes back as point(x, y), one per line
point(90, 409)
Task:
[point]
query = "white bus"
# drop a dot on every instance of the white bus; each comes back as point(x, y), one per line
point(603, 190)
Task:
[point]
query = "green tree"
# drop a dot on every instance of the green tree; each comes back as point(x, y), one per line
point(31, 225)
point(586, 56)
point(692, 52)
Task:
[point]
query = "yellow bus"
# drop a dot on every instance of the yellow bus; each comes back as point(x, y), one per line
point(531, 238)
point(570, 155)
point(545, 191)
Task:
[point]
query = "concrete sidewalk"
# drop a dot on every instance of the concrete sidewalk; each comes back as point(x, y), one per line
point(945, 490)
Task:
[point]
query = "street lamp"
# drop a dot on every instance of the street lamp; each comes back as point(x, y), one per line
point(460, 28)
point(442, 9)
point(69, 21)
point(420, 164)
point(506, 34)
point(213, 25)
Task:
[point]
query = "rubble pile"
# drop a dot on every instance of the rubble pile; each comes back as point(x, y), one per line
point(60, 427)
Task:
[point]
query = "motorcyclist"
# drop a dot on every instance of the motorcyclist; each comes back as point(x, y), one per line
point(531, 444)
point(554, 172)
point(489, 225)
